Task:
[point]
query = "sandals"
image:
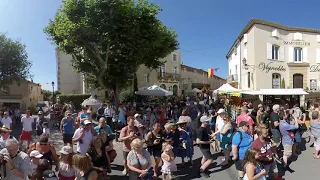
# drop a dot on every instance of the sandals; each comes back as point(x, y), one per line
point(316, 157)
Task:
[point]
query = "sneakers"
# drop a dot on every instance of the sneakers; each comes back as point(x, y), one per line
point(203, 174)
point(124, 172)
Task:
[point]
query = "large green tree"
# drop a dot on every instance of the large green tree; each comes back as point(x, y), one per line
point(110, 39)
point(14, 63)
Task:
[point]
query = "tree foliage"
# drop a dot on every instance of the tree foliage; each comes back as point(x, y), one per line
point(14, 63)
point(110, 39)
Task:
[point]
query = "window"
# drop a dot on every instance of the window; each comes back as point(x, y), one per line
point(249, 80)
point(313, 84)
point(297, 54)
point(146, 77)
point(174, 57)
point(276, 81)
point(175, 69)
point(162, 70)
point(275, 52)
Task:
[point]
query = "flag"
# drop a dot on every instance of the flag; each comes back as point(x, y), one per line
point(216, 69)
point(210, 73)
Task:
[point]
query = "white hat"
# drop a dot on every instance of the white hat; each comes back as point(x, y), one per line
point(205, 119)
point(66, 150)
point(220, 111)
point(87, 122)
point(136, 115)
point(35, 154)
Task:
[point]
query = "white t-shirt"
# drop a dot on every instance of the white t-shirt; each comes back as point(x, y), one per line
point(219, 123)
point(3, 141)
point(27, 123)
point(86, 140)
point(6, 122)
point(46, 131)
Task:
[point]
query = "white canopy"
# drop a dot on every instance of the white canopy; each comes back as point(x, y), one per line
point(226, 88)
point(154, 90)
point(91, 101)
point(196, 90)
point(277, 92)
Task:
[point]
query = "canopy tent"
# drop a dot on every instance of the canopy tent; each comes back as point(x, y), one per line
point(196, 90)
point(226, 88)
point(154, 90)
point(277, 92)
point(91, 101)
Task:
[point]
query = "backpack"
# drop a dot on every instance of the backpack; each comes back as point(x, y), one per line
point(233, 133)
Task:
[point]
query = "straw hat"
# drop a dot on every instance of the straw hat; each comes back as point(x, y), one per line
point(5, 129)
point(182, 121)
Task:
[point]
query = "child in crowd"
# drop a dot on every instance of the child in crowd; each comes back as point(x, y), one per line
point(35, 159)
point(252, 168)
point(66, 171)
point(46, 130)
point(169, 166)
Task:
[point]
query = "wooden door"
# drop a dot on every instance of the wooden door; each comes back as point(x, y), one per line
point(297, 81)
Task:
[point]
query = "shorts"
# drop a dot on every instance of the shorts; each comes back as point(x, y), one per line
point(125, 155)
point(238, 165)
point(317, 144)
point(271, 168)
point(67, 138)
point(276, 136)
point(206, 153)
point(65, 178)
point(25, 135)
point(156, 153)
point(287, 150)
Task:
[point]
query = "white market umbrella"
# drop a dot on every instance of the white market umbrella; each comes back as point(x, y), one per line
point(226, 88)
point(154, 90)
point(91, 101)
point(196, 90)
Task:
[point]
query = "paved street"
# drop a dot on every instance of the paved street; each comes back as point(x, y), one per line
point(305, 165)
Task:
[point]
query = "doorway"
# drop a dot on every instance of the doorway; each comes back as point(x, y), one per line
point(297, 81)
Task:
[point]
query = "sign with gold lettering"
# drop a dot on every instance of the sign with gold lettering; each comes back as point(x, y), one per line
point(296, 43)
point(269, 67)
point(315, 68)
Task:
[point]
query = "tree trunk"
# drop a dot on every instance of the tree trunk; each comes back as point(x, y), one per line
point(116, 94)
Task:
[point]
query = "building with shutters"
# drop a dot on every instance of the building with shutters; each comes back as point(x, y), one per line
point(267, 55)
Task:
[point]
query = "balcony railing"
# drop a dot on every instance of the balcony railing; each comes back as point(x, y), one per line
point(233, 78)
point(168, 76)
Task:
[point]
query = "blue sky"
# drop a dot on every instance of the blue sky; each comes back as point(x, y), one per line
point(206, 28)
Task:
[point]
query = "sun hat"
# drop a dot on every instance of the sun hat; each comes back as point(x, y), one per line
point(36, 154)
point(66, 150)
point(220, 111)
point(182, 121)
point(87, 122)
point(137, 115)
point(205, 119)
point(5, 129)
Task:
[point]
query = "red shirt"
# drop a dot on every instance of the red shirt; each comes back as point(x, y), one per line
point(160, 113)
point(247, 118)
point(264, 147)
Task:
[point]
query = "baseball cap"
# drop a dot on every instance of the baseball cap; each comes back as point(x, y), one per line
point(136, 115)
point(35, 154)
point(205, 119)
point(220, 111)
point(87, 122)
point(66, 150)
point(40, 113)
point(49, 175)
point(243, 123)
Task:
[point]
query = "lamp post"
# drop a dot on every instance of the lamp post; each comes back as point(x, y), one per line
point(52, 83)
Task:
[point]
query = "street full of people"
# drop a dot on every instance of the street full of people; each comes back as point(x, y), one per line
point(260, 141)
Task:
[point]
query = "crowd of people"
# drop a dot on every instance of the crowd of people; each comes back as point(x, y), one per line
point(259, 142)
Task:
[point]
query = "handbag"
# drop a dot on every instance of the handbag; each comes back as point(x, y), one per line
point(150, 173)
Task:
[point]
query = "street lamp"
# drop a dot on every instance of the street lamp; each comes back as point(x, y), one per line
point(52, 83)
point(245, 65)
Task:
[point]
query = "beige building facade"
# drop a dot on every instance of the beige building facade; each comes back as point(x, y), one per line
point(267, 55)
point(23, 95)
point(176, 77)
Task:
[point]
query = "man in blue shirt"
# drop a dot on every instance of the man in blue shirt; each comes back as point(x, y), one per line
point(103, 123)
point(241, 142)
point(100, 111)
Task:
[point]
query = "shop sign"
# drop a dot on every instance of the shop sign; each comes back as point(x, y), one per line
point(296, 43)
point(269, 67)
point(315, 68)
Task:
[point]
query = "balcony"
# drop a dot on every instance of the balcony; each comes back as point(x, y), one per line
point(169, 76)
point(232, 78)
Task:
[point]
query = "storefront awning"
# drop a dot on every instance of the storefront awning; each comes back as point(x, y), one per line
point(277, 92)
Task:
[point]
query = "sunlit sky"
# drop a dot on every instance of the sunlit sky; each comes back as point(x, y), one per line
point(206, 28)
